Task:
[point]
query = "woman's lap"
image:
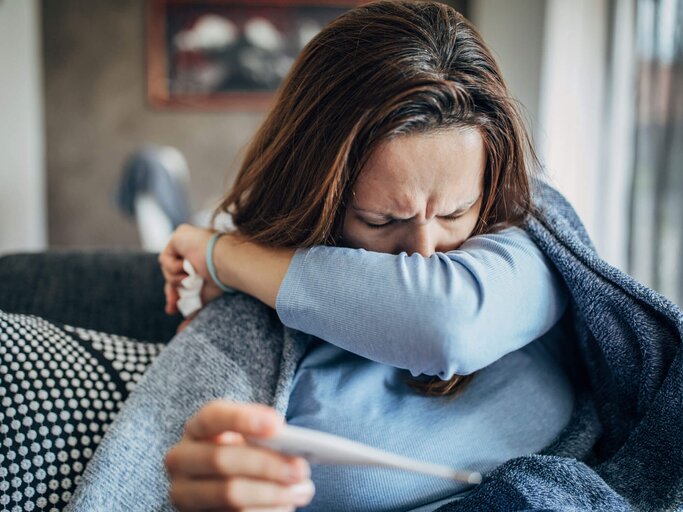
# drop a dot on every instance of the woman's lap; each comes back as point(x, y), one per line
point(48, 371)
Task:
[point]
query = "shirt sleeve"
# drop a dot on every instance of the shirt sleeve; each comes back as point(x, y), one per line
point(450, 313)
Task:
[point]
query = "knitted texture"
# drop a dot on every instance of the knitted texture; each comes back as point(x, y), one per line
point(629, 338)
point(621, 451)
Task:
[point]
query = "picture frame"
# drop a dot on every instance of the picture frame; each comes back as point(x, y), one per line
point(227, 54)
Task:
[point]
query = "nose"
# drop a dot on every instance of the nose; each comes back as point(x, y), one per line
point(424, 240)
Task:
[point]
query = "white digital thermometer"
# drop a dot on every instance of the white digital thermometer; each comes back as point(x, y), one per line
point(323, 448)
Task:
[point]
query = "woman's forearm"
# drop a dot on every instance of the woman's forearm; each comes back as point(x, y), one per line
point(447, 314)
point(251, 268)
point(451, 313)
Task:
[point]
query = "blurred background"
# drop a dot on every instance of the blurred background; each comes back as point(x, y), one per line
point(121, 118)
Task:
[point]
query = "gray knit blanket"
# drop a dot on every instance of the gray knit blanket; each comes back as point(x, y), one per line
point(622, 450)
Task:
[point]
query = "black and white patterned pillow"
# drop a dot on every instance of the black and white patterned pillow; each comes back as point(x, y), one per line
point(60, 389)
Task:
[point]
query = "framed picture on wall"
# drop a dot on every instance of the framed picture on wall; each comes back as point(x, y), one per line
point(227, 54)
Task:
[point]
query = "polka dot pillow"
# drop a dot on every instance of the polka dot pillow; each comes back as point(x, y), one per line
point(60, 389)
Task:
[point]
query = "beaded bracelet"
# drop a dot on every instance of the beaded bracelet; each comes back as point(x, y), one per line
point(212, 268)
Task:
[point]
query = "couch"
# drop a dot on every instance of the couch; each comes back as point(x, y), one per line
point(118, 292)
point(62, 382)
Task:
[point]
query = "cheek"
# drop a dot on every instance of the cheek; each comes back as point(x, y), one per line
point(455, 234)
point(470, 221)
point(351, 233)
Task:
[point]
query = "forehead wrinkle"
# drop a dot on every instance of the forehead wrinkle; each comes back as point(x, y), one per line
point(459, 207)
point(409, 176)
point(405, 200)
point(399, 200)
point(391, 213)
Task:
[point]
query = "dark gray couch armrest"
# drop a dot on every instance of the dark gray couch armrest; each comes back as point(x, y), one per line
point(110, 291)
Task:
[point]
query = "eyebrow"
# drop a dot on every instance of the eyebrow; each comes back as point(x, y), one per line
point(461, 208)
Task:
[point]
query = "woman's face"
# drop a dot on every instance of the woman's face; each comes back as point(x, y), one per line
point(418, 193)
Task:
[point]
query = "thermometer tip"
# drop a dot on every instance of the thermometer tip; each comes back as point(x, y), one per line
point(474, 478)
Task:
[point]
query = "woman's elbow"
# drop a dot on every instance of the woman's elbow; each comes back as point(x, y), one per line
point(453, 348)
point(449, 337)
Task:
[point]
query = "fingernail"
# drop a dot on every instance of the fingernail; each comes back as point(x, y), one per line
point(297, 471)
point(228, 438)
point(303, 492)
point(291, 474)
point(304, 468)
point(259, 424)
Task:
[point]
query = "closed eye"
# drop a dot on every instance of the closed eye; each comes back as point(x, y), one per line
point(461, 211)
point(449, 218)
point(379, 226)
point(453, 217)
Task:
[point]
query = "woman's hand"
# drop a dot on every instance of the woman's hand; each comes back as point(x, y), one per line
point(187, 242)
point(212, 468)
point(251, 268)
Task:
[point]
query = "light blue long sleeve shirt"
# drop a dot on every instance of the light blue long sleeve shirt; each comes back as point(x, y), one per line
point(441, 315)
point(380, 318)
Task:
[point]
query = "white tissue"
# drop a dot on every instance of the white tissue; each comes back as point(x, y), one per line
point(190, 291)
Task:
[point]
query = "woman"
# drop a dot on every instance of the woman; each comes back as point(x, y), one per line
point(393, 143)
point(405, 144)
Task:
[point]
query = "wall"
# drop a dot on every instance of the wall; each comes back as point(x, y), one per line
point(557, 60)
point(574, 106)
point(22, 175)
point(514, 31)
point(97, 114)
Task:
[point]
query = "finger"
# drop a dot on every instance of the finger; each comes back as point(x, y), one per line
point(173, 269)
point(284, 508)
point(170, 264)
point(225, 438)
point(238, 493)
point(270, 509)
point(169, 256)
point(174, 279)
point(228, 438)
point(172, 298)
point(221, 415)
point(256, 509)
point(202, 459)
point(169, 251)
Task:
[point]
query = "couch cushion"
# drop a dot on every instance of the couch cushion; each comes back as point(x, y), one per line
point(119, 292)
point(61, 386)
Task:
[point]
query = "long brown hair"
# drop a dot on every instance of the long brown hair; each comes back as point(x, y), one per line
point(380, 70)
